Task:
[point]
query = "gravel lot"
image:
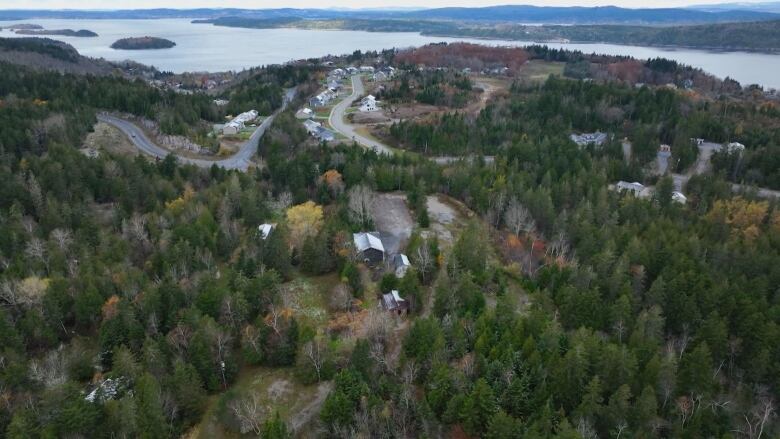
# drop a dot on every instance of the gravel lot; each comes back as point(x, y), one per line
point(392, 220)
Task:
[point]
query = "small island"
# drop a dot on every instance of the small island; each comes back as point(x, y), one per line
point(83, 33)
point(142, 43)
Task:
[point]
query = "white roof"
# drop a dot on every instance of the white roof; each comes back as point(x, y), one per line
point(679, 197)
point(397, 296)
point(635, 186)
point(404, 259)
point(265, 229)
point(367, 240)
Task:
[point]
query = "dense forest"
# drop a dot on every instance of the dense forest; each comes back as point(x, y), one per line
point(647, 116)
point(135, 293)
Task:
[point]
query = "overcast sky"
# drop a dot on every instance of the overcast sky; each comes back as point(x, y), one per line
point(261, 4)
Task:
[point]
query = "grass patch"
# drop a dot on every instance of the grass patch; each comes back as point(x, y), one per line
point(536, 70)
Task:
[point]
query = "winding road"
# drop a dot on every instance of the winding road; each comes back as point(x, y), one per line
point(336, 120)
point(240, 160)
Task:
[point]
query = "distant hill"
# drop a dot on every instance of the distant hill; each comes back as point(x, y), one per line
point(762, 35)
point(773, 7)
point(142, 43)
point(594, 15)
point(83, 33)
point(515, 14)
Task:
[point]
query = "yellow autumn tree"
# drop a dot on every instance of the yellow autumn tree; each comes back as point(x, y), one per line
point(744, 218)
point(304, 220)
point(177, 205)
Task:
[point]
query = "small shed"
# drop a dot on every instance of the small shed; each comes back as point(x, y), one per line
point(393, 302)
point(401, 265)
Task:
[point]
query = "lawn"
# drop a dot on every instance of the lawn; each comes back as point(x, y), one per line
point(537, 70)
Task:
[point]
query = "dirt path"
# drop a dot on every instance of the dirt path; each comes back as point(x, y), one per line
point(310, 410)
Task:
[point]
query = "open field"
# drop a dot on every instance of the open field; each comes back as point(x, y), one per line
point(536, 70)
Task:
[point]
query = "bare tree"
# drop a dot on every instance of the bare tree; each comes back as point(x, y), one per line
point(424, 261)
point(341, 298)
point(36, 249)
point(517, 217)
point(361, 201)
point(315, 354)
point(49, 371)
point(250, 413)
point(758, 417)
point(282, 202)
point(62, 238)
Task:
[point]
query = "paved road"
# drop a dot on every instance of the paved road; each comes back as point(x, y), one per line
point(336, 120)
point(240, 160)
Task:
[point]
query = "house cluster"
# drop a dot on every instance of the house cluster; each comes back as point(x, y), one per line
point(322, 99)
point(372, 252)
point(368, 104)
point(316, 130)
point(641, 191)
point(598, 138)
point(238, 122)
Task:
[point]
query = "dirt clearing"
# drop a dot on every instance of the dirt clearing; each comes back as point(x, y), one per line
point(392, 220)
point(109, 139)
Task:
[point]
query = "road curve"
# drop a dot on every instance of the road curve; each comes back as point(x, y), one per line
point(239, 160)
point(336, 120)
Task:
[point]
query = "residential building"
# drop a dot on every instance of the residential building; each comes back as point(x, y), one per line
point(304, 113)
point(635, 188)
point(598, 138)
point(265, 230)
point(369, 246)
point(393, 302)
point(679, 197)
point(311, 126)
point(366, 69)
point(735, 147)
point(401, 265)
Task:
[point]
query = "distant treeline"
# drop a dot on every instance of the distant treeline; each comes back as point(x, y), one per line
point(763, 35)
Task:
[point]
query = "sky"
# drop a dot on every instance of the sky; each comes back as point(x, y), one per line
point(263, 4)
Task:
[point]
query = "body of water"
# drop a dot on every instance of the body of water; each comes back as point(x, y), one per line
point(204, 47)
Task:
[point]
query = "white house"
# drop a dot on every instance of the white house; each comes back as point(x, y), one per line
point(634, 188)
point(366, 69)
point(265, 230)
point(352, 70)
point(735, 147)
point(232, 128)
point(305, 113)
point(679, 197)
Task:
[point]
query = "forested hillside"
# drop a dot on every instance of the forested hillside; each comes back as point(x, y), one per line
point(139, 299)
